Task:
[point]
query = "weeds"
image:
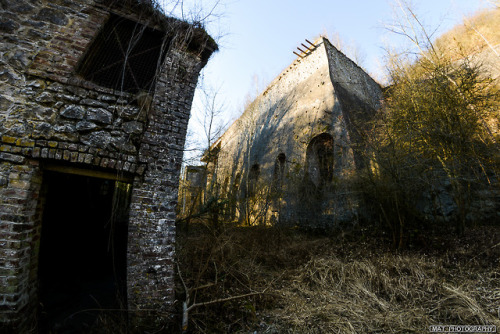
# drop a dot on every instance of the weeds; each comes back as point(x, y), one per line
point(341, 283)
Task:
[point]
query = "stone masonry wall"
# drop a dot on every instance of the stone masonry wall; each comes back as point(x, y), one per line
point(297, 106)
point(49, 115)
point(278, 116)
point(47, 112)
point(358, 94)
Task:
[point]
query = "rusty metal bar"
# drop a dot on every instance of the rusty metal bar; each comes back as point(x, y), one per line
point(298, 54)
point(310, 50)
point(310, 43)
point(301, 50)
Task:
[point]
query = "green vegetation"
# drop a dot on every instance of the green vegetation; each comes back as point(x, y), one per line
point(434, 159)
point(431, 145)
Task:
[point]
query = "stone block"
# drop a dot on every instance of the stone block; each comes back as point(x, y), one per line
point(16, 149)
point(73, 112)
point(12, 157)
point(36, 152)
point(52, 15)
point(85, 126)
point(5, 148)
point(65, 128)
point(8, 25)
point(19, 184)
point(99, 139)
point(94, 103)
point(25, 142)
point(100, 115)
point(88, 158)
point(133, 127)
point(9, 140)
point(45, 97)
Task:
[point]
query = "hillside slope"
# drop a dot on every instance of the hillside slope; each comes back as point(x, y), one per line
point(477, 36)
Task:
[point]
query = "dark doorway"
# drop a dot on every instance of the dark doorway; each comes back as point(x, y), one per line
point(82, 262)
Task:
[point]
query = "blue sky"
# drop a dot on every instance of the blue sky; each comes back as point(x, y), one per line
point(258, 37)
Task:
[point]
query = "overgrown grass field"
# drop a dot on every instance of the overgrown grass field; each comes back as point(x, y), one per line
point(270, 280)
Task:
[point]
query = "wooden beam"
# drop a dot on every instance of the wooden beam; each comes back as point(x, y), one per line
point(116, 176)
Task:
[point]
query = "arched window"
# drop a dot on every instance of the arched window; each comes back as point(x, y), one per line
point(320, 159)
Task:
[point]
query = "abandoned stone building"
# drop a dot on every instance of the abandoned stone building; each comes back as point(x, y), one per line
point(95, 97)
point(192, 189)
point(286, 159)
point(292, 156)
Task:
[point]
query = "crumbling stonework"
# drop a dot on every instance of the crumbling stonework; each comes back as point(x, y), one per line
point(52, 116)
point(288, 158)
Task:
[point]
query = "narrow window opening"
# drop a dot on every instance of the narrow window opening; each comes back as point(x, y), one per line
point(236, 183)
point(253, 177)
point(225, 185)
point(277, 186)
point(233, 196)
point(279, 172)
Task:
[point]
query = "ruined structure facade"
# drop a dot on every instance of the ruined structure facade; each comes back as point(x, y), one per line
point(192, 189)
point(93, 94)
point(289, 157)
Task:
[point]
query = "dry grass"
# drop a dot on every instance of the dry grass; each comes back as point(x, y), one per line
point(340, 283)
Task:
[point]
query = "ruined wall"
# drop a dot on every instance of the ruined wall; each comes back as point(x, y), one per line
point(46, 111)
point(358, 94)
point(274, 136)
point(154, 198)
point(191, 190)
point(50, 115)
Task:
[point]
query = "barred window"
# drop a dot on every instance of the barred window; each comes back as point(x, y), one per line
point(124, 56)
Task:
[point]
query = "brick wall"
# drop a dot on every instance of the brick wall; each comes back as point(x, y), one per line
point(154, 199)
point(20, 235)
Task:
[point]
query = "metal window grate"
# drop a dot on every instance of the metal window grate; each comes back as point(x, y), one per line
point(124, 56)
